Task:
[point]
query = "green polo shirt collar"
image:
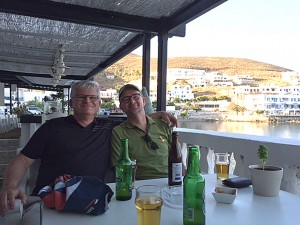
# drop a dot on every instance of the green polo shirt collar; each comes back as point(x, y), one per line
point(131, 126)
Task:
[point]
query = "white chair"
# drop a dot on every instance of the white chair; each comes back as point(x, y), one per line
point(13, 217)
point(29, 214)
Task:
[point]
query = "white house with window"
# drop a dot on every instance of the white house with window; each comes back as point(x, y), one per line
point(109, 93)
point(184, 74)
point(269, 98)
point(181, 91)
point(218, 79)
point(242, 79)
point(292, 77)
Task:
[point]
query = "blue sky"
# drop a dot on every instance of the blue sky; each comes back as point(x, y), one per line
point(262, 30)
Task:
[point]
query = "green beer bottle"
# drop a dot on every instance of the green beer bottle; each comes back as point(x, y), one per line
point(124, 174)
point(193, 191)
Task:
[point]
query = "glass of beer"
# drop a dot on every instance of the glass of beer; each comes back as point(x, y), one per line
point(134, 167)
point(222, 165)
point(148, 202)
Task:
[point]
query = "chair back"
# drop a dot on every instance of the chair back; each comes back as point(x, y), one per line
point(29, 180)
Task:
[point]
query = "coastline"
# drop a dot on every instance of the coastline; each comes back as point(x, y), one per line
point(230, 117)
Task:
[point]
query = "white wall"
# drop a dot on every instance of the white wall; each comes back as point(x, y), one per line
point(1, 94)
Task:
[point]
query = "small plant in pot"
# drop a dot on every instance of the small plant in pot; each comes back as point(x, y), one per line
point(266, 179)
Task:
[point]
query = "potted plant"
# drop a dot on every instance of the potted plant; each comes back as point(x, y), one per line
point(266, 179)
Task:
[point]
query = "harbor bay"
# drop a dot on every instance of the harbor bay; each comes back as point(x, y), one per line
point(281, 130)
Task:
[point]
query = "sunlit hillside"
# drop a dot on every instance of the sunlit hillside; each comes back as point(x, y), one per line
point(130, 68)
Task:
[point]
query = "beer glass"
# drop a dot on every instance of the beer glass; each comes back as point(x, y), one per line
point(148, 202)
point(134, 168)
point(222, 165)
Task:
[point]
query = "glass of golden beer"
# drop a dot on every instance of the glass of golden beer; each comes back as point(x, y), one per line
point(134, 168)
point(222, 165)
point(148, 202)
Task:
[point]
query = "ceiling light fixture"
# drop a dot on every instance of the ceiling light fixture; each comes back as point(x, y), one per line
point(58, 68)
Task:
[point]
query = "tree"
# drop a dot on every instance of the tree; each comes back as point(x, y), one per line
point(58, 97)
point(196, 107)
point(224, 97)
point(259, 112)
point(242, 109)
point(184, 113)
point(170, 103)
point(107, 105)
point(213, 98)
point(177, 100)
point(236, 108)
point(202, 98)
point(188, 104)
point(154, 104)
point(35, 102)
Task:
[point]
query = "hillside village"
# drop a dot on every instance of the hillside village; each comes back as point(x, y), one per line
point(212, 89)
point(205, 84)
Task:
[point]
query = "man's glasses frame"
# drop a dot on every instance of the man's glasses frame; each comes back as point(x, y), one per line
point(92, 98)
point(152, 143)
point(135, 97)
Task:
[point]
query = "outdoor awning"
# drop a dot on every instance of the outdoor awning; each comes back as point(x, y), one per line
point(93, 34)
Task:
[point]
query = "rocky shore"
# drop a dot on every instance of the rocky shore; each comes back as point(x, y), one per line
point(230, 117)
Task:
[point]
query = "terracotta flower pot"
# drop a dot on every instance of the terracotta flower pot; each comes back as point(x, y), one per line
point(266, 182)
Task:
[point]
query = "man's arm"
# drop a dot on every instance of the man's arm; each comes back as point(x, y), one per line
point(165, 116)
point(12, 178)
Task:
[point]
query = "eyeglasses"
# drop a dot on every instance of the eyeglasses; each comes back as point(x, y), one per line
point(92, 98)
point(135, 97)
point(149, 140)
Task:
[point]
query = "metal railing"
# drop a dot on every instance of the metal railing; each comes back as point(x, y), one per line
point(282, 152)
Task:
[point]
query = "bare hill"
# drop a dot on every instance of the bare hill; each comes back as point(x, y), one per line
point(130, 68)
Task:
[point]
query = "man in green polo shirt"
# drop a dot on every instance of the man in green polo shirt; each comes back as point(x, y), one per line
point(149, 139)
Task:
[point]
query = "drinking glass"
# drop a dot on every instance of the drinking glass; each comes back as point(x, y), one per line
point(134, 168)
point(148, 202)
point(222, 165)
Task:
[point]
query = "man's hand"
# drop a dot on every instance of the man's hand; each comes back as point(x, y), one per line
point(8, 197)
point(168, 118)
point(13, 176)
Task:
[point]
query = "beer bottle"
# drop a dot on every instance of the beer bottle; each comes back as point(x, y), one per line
point(124, 174)
point(193, 191)
point(175, 162)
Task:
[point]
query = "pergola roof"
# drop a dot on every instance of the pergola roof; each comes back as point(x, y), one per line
point(94, 34)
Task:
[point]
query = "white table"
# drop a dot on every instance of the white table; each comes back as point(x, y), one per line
point(247, 209)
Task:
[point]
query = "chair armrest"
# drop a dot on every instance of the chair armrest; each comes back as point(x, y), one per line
point(13, 216)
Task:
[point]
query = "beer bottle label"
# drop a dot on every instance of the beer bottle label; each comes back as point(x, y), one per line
point(190, 214)
point(176, 172)
point(124, 178)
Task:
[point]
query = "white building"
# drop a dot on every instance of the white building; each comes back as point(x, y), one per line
point(153, 96)
point(25, 95)
point(200, 82)
point(291, 77)
point(242, 79)
point(181, 92)
point(289, 90)
point(213, 106)
point(110, 76)
point(218, 79)
point(109, 93)
point(269, 98)
point(185, 74)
